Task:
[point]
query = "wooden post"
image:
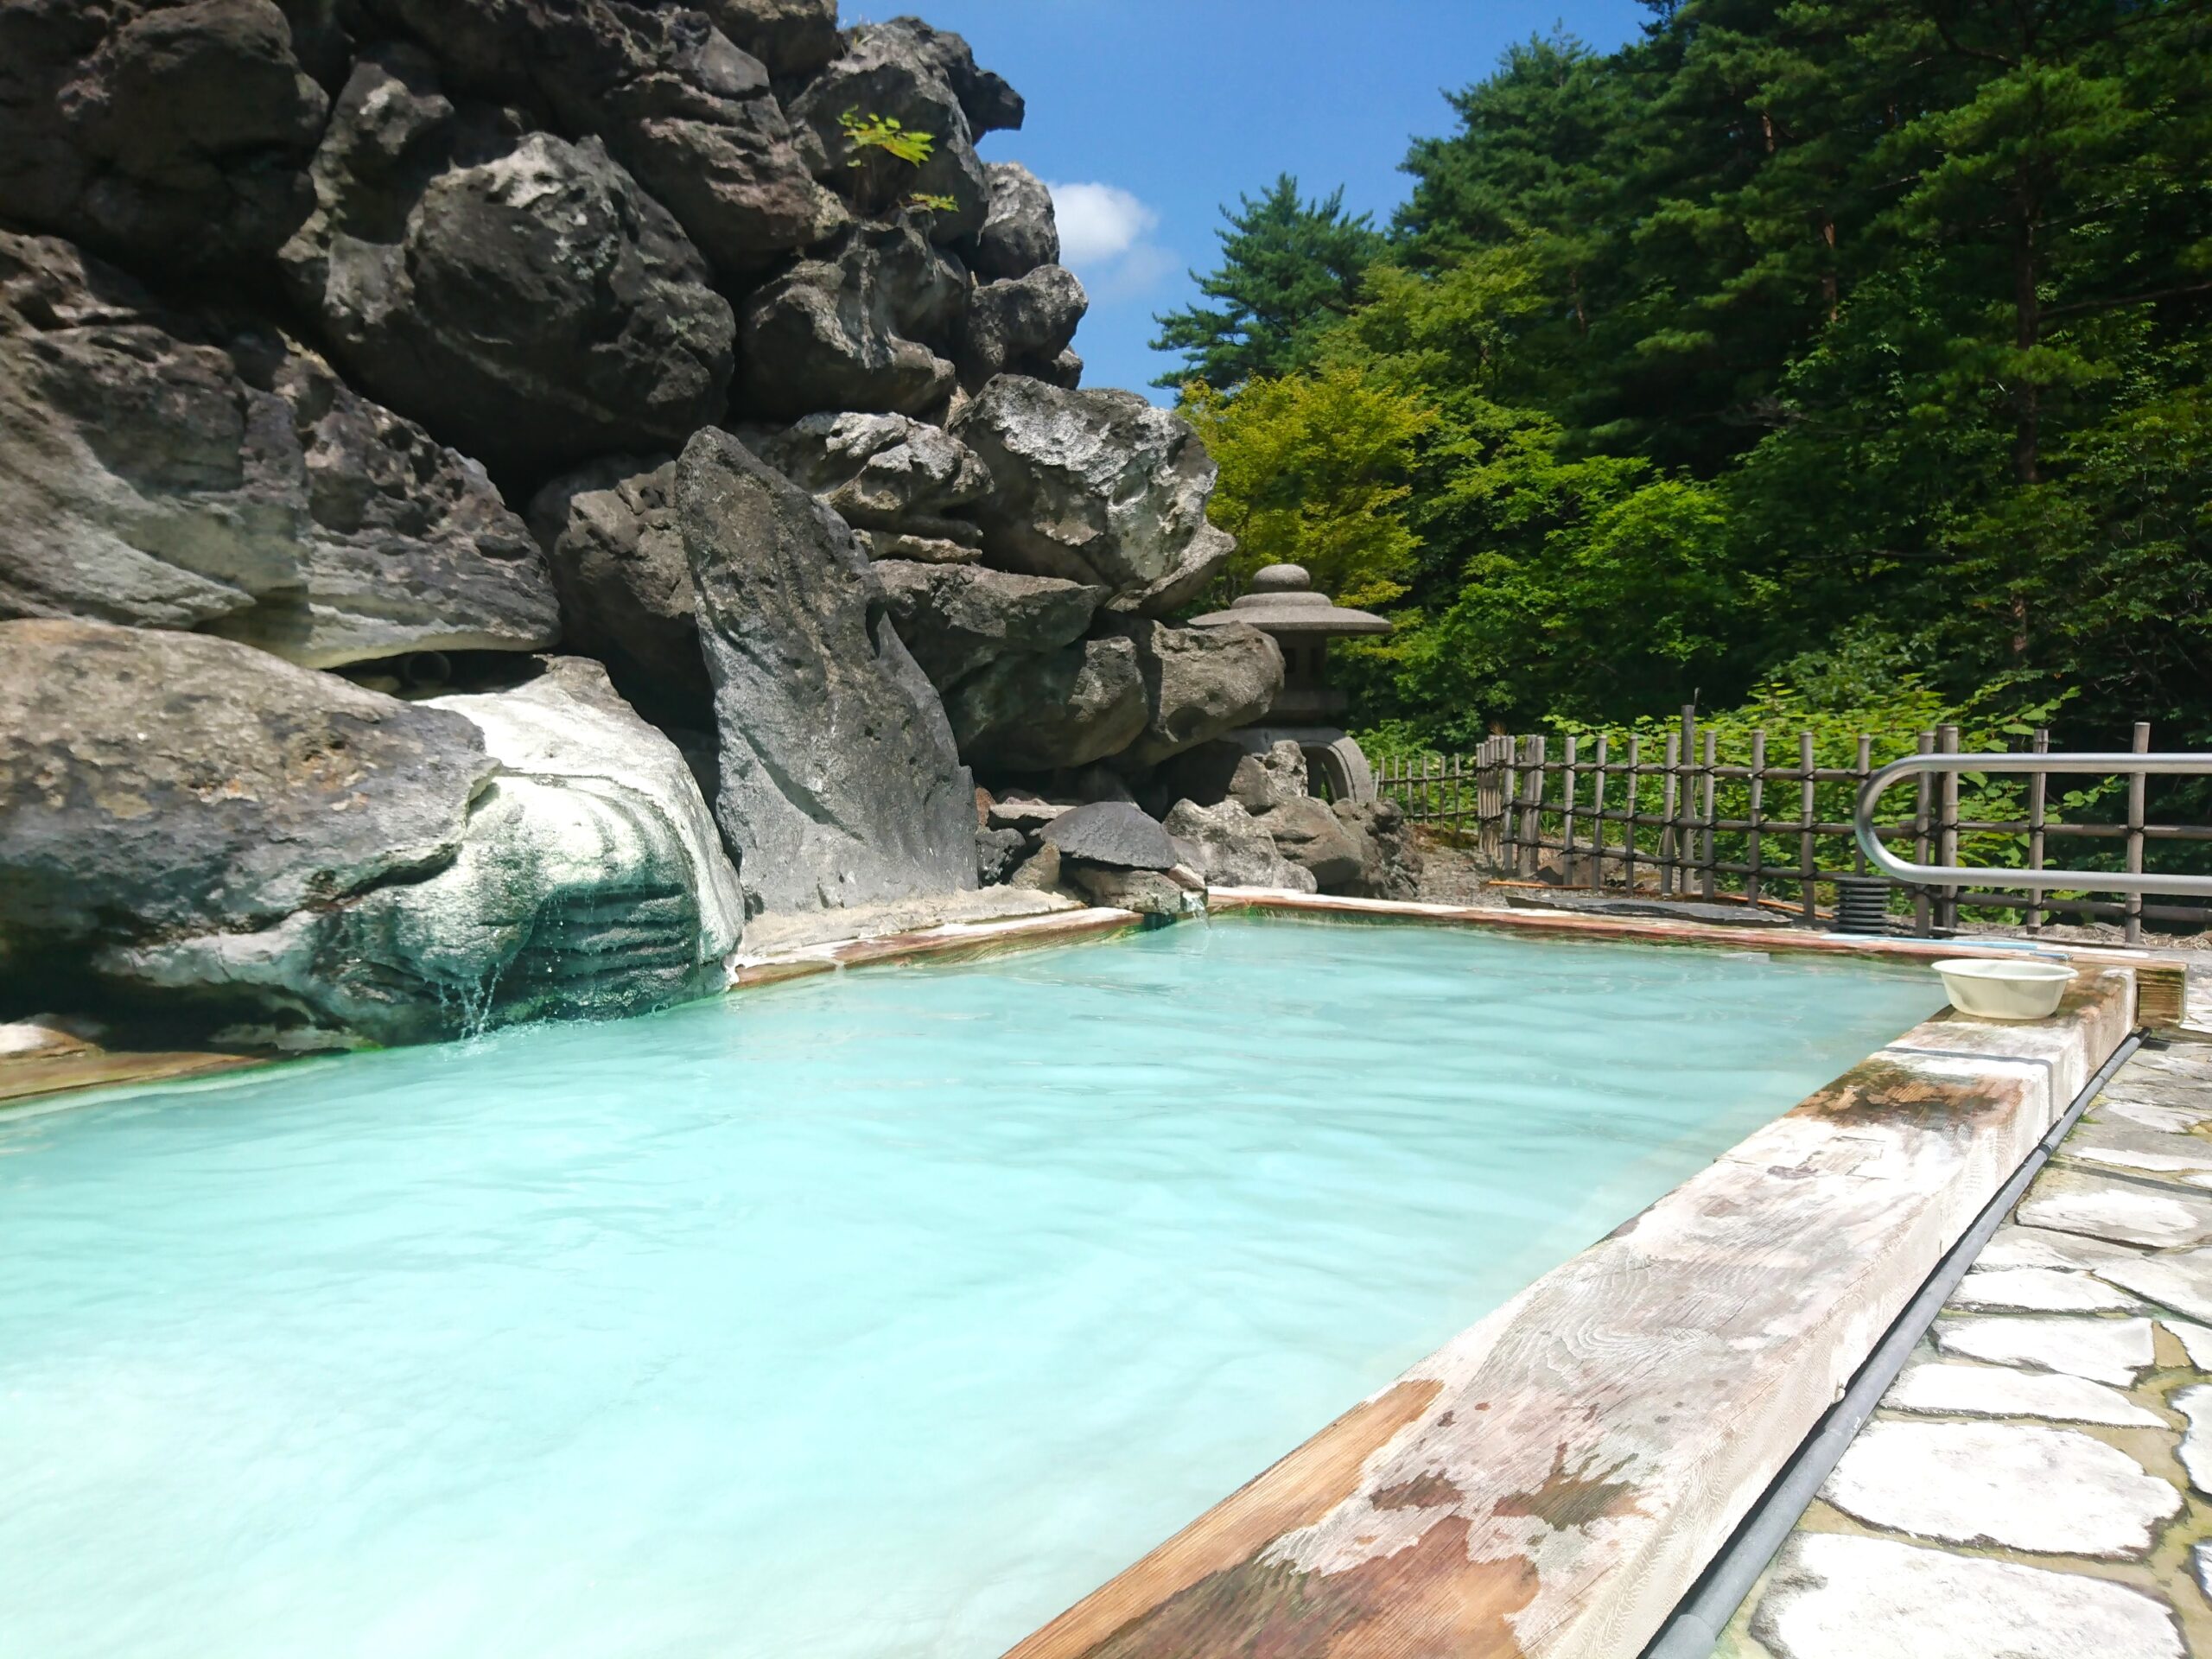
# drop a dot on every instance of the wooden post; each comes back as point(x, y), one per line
point(1756, 804)
point(1669, 834)
point(1532, 795)
point(1922, 815)
point(1573, 777)
point(1519, 775)
point(1635, 810)
point(1947, 917)
point(2038, 802)
point(1685, 839)
point(1458, 794)
point(1809, 864)
point(1490, 787)
point(1711, 762)
point(2133, 922)
point(1598, 821)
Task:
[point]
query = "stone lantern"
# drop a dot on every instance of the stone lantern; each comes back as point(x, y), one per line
point(1282, 603)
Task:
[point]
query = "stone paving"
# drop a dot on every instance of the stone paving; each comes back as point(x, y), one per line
point(2038, 1483)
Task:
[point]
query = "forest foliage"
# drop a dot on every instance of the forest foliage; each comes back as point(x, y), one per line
point(1846, 344)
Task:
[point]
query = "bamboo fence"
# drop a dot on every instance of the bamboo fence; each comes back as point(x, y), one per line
point(1772, 828)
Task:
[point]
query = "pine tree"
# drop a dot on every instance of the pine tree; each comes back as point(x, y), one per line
point(1289, 269)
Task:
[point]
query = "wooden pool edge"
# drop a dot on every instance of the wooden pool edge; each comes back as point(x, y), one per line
point(2162, 984)
point(952, 941)
point(1550, 1483)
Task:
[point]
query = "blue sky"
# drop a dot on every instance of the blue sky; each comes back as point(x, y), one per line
point(1167, 108)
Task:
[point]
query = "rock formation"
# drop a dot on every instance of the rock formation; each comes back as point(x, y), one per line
point(1021, 232)
point(162, 783)
point(1022, 325)
point(1098, 487)
point(963, 617)
point(1234, 849)
point(1200, 683)
point(928, 81)
point(517, 292)
point(840, 783)
point(906, 486)
point(790, 37)
point(618, 558)
point(1249, 815)
point(1114, 854)
point(1049, 713)
point(201, 828)
point(173, 134)
point(301, 301)
point(689, 115)
point(170, 471)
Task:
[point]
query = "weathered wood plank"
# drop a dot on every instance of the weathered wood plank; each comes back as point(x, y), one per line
point(30, 1077)
point(2161, 985)
point(1549, 1484)
point(954, 941)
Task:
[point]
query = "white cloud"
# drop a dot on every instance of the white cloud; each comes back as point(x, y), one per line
point(1098, 222)
point(1105, 238)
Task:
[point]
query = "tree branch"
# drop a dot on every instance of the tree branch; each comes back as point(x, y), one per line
point(1965, 51)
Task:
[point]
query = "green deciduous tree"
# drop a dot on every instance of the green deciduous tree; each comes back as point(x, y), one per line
point(1314, 471)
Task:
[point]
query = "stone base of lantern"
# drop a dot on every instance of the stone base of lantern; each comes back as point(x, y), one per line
point(1336, 767)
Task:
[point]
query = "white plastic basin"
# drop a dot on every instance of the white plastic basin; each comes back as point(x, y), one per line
point(1996, 990)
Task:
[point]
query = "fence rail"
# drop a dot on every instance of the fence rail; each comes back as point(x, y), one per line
point(1684, 823)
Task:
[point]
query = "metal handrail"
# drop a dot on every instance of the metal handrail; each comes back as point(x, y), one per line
point(1951, 875)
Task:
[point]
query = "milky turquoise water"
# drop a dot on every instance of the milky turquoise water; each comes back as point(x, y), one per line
point(882, 1316)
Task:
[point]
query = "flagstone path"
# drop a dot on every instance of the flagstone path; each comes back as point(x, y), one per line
point(2038, 1483)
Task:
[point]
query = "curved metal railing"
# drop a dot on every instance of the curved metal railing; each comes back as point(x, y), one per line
point(1881, 858)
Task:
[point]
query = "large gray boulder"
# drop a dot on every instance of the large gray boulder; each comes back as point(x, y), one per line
point(588, 881)
point(1391, 860)
point(1098, 487)
point(1021, 232)
point(1262, 781)
point(1112, 833)
point(956, 618)
point(157, 783)
point(840, 785)
point(1200, 683)
point(1310, 836)
point(609, 531)
point(167, 472)
point(687, 112)
point(792, 37)
point(927, 80)
point(517, 293)
point(867, 326)
point(1234, 849)
point(174, 133)
point(199, 829)
point(1022, 327)
point(989, 103)
point(905, 486)
point(1048, 713)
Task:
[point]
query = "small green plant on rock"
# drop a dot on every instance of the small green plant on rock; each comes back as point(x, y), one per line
point(922, 201)
point(884, 135)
